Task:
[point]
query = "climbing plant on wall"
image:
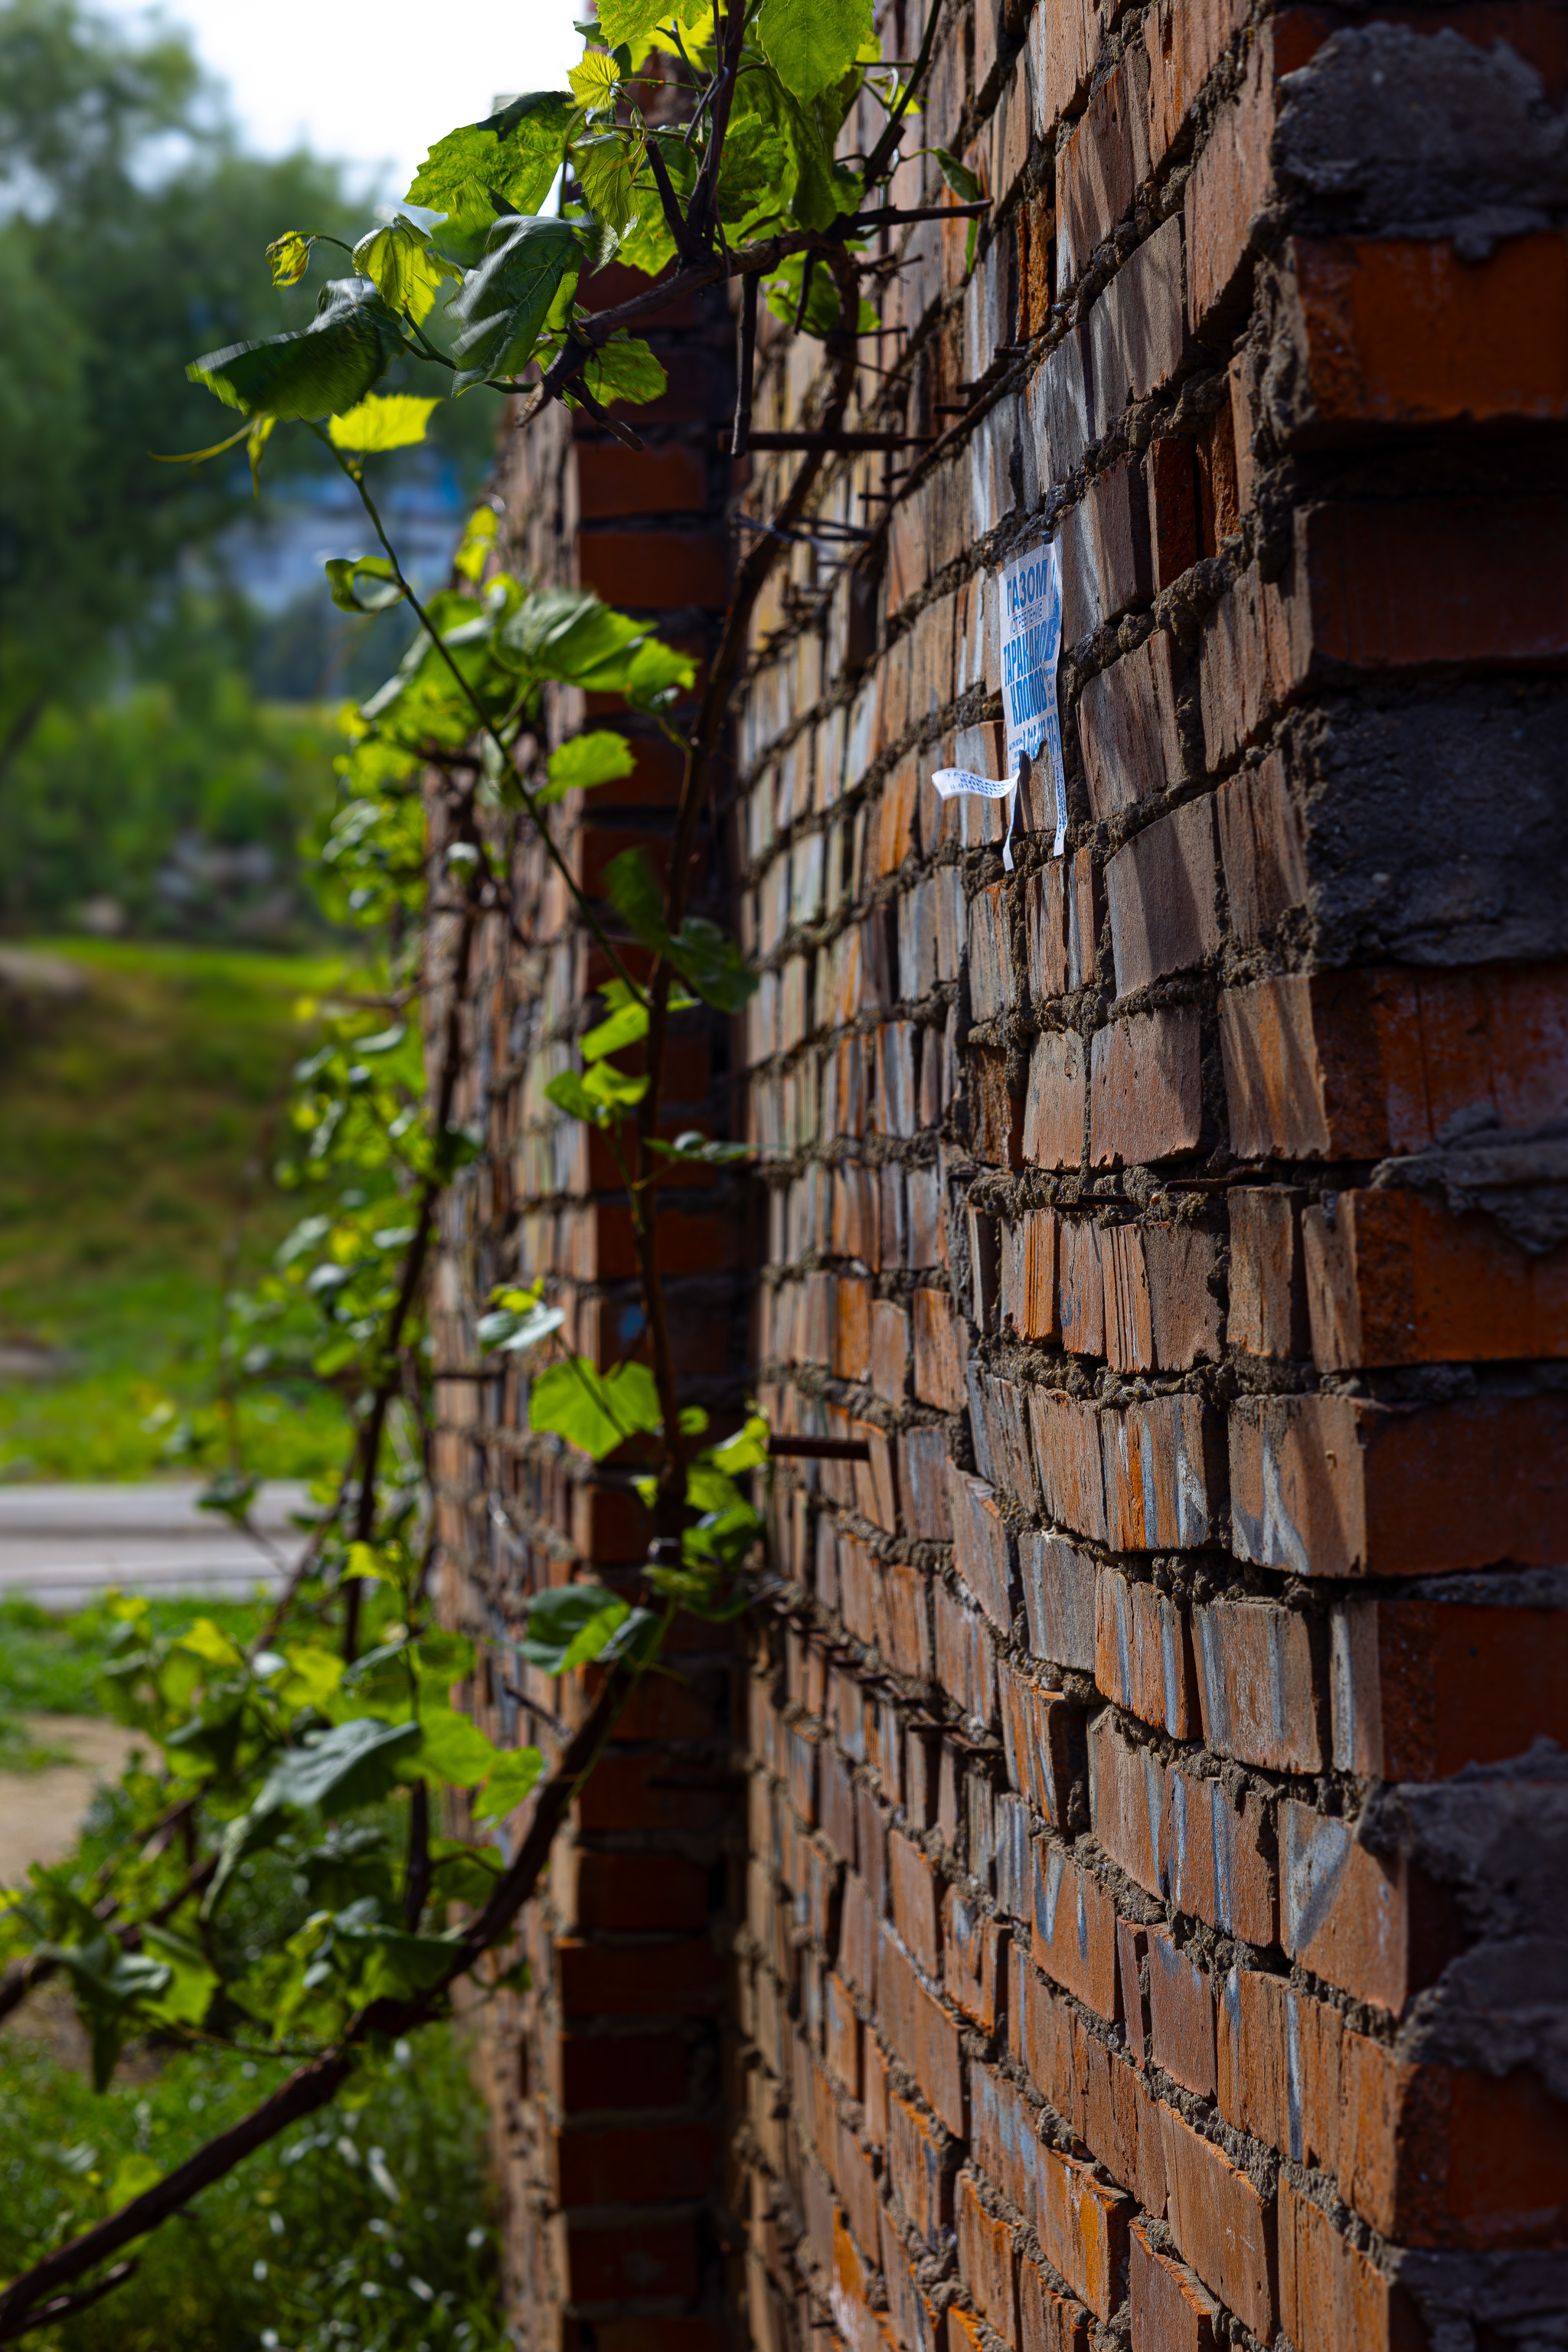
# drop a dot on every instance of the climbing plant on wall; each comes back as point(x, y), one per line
point(326, 1740)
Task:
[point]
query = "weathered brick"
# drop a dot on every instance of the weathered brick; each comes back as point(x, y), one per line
point(965, 1659)
point(1180, 2014)
point(1346, 1913)
point(921, 2032)
point(1100, 168)
point(1142, 1653)
point(1333, 1485)
point(1185, 39)
point(1395, 1278)
point(1267, 1314)
point(1171, 2310)
point(1422, 1689)
point(982, 1545)
point(1137, 330)
point(1075, 1929)
point(985, 2259)
point(1128, 725)
point(1162, 1310)
point(921, 2161)
point(1048, 2321)
point(1042, 1734)
point(1330, 2294)
point(1082, 1288)
point(1163, 1473)
point(939, 1349)
point(1066, 1431)
point(1163, 898)
point(1126, 1794)
point(973, 1956)
point(1030, 1274)
point(1215, 1856)
point(1053, 1111)
point(1145, 1089)
point(1260, 1682)
point(1225, 2229)
point(1059, 1598)
point(1261, 850)
point(1082, 2230)
point(1278, 2056)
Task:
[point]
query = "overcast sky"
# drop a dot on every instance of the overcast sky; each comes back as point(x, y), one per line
point(374, 84)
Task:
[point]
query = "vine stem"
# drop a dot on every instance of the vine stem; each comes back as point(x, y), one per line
point(702, 747)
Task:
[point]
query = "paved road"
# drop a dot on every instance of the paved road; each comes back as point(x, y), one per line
point(61, 1544)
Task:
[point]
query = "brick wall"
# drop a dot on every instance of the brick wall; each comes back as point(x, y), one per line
point(1154, 1824)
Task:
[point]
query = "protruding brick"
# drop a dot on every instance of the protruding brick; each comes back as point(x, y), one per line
point(1170, 2309)
point(1423, 1689)
point(1075, 1929)
point(1146, 1089)
point(1224, 2227)
point(1163, 898)
point(1261, 1684)
point(1396, 1279)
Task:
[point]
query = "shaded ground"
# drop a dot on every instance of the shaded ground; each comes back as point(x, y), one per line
point(42, 1810)
point(139, 1089)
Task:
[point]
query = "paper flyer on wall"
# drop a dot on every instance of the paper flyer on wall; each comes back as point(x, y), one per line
point(1031, 641)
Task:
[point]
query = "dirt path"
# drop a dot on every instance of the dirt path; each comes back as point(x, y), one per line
point(40, 1812)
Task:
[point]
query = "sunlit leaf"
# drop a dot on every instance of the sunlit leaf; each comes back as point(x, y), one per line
point(584, 764)
point(624, 369)
point(592, 1410)
point(595, 80)
point(352, 1764)
point(811, 43)
point(385, 421)
point(477, 544)
point(453, 1748)
point(406, 267)
point(511, 1780)
point(516, 153)
point(626, 1027)
point(569, 1624)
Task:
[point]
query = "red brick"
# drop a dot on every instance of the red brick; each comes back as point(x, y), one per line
point(593, 2070)
point(1261, 1684)
point(1255, 654)
point(1172, 511)
point(1163, 1474)
point(1163, 897)
point(1333, 1486)
point(1137, 334)
point(1215, 1856)
point(1261, 850)
point(917, 1900)
point(632, 1791)
point(921, 2164)
point(1128, 725)
point(1353, 1064)
point(1376, 1929)
point(1330, 2294)
point(1005, 2143)
point(1106, 2110)
point(627, 2164)
point(857, 1935)
point(1225, 2229)
point(613, 482)
point(1082, 1288)
point(1171, 2310)
point(1030, 1274)
point(1145, 1089)
point(656, 570)
point(923, 1465)
point(1143, 1654)
point(608, 2262)
point(1267, 1311)
point(852, 1326)
point(1400, 331)
point(921, 2032)
point(1229, 188)
point(1042, 1732)
point(985, 2259)
point(1162, 1313)
point(1423, 1689)
point(842, 2036)
point(1099, 169)
point(1063, 42)
point(1440, 2155)
point(1278, 2058)
point(1048, 2321)
point(965, 1658)
point(1066, 1431)
point(1059, 1598)
point(1040, 2033)
point(1185, 39)
point(1082, 2230)
point(974, 1949)
point(1395, 1278)
point(981, 1546)
point(1053, 1111)
point(1074, 1939)
point(916, 2323)
point(1460, 581)
point(939, 1350)
point(1181, 2017)
point(1126, 1794)
point(630, 1890)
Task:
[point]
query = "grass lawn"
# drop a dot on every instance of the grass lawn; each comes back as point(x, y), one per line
point(135, 1145)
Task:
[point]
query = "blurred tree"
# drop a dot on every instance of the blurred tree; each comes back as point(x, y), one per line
point(132, 232)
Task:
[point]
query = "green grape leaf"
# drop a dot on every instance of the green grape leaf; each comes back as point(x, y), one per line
point(406, 267)
point(344, 574)
point(606, 1084)
point(514, 1774)
point(187, 1997)
point(585, 763)
point(568, 1624)
point(510, 1332)
point(321, 370)
point(811, 43)
point(623, 369)
point(595, 81)
point(822, 308)
point(566, 633)
point(383, 421)
point(606, 162)
point(353, 1764)
point(477, 544)
point(135, 2173)
point(700, 951)
point(569, 1093)
point(958, 177)
point(592, 1410)
point(290, 255)
point(657, 675)
point(452, 1749)
point(515, 153)
point(627, 1026)
point(633, 20)
point(503, 305)
point(400, 1964)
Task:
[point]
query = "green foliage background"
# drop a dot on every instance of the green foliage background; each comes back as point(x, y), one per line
point(129, 1116)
